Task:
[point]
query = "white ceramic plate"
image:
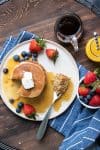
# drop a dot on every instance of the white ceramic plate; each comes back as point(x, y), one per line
point(65, 64)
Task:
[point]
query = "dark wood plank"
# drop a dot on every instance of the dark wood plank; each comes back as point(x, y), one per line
point(39, 16)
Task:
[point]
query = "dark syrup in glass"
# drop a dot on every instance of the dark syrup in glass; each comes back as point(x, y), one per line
point(68, 25)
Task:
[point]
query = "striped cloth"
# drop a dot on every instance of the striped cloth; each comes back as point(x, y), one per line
point(79, 125)
point(94, 5)
point(3, 1)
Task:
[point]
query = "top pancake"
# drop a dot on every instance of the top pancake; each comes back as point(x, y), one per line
point(38, 75)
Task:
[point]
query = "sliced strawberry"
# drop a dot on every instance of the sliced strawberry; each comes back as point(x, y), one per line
point(90, 77)
point(98, 90)
point(52, 54)
point(83, 91)
point(95, 100)
point(29, 110)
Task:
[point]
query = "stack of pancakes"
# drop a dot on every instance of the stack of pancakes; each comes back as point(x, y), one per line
point(38, 76)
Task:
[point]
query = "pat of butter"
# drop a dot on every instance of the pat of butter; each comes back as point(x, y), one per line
point(27, 80)
point(27, 83)
point(27, 75)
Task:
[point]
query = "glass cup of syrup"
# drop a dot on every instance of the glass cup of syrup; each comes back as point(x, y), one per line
point(69, 29)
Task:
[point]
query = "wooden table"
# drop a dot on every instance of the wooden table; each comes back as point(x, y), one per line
point(39, 16)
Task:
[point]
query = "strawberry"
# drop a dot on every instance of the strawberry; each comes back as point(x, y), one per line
point(29, 111)
point(36, 45)
point(83, 91)
point(95, 100)
point(90, 77)
point(52, 54)
point(98, 90)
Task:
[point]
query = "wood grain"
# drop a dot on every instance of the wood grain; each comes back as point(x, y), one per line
point(39, 16)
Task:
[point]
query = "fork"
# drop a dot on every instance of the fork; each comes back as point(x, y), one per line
point(4, 146)
point(43, 125)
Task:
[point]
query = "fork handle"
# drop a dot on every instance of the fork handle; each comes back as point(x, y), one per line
point(43, 125)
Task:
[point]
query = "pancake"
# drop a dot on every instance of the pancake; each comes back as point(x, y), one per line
point(38, 75)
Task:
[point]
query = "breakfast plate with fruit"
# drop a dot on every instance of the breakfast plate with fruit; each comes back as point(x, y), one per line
point(27, 75)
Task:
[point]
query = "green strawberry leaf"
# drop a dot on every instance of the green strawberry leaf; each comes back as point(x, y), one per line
point(32, 116)
point(97, 71)
point(83, 85)
point(56, 56)
point(41, 42)
point(95, 84)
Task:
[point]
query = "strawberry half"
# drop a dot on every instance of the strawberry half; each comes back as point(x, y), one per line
point(95, 100)
point(29, 111)
point(83, 91)
point(52, 54)
point(90, 77)
point(36, 45)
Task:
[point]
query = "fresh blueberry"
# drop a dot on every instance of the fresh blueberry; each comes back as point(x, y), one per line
point(92, 93)
point(5, 70)
point(35, 54)
point(20, 104)
point(18, 110)
point(81, 97)
point(24, 53)
point(34, 58)
point(16, 57)
point(11, 100)
point(85, 100)
point(29, 54)
point(89, 97)
point(26, 58)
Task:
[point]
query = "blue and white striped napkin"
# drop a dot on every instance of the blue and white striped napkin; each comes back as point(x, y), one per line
point(3, 1)
point(80, 126)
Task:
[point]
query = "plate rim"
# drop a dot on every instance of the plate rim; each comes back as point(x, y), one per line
point(12, 108)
